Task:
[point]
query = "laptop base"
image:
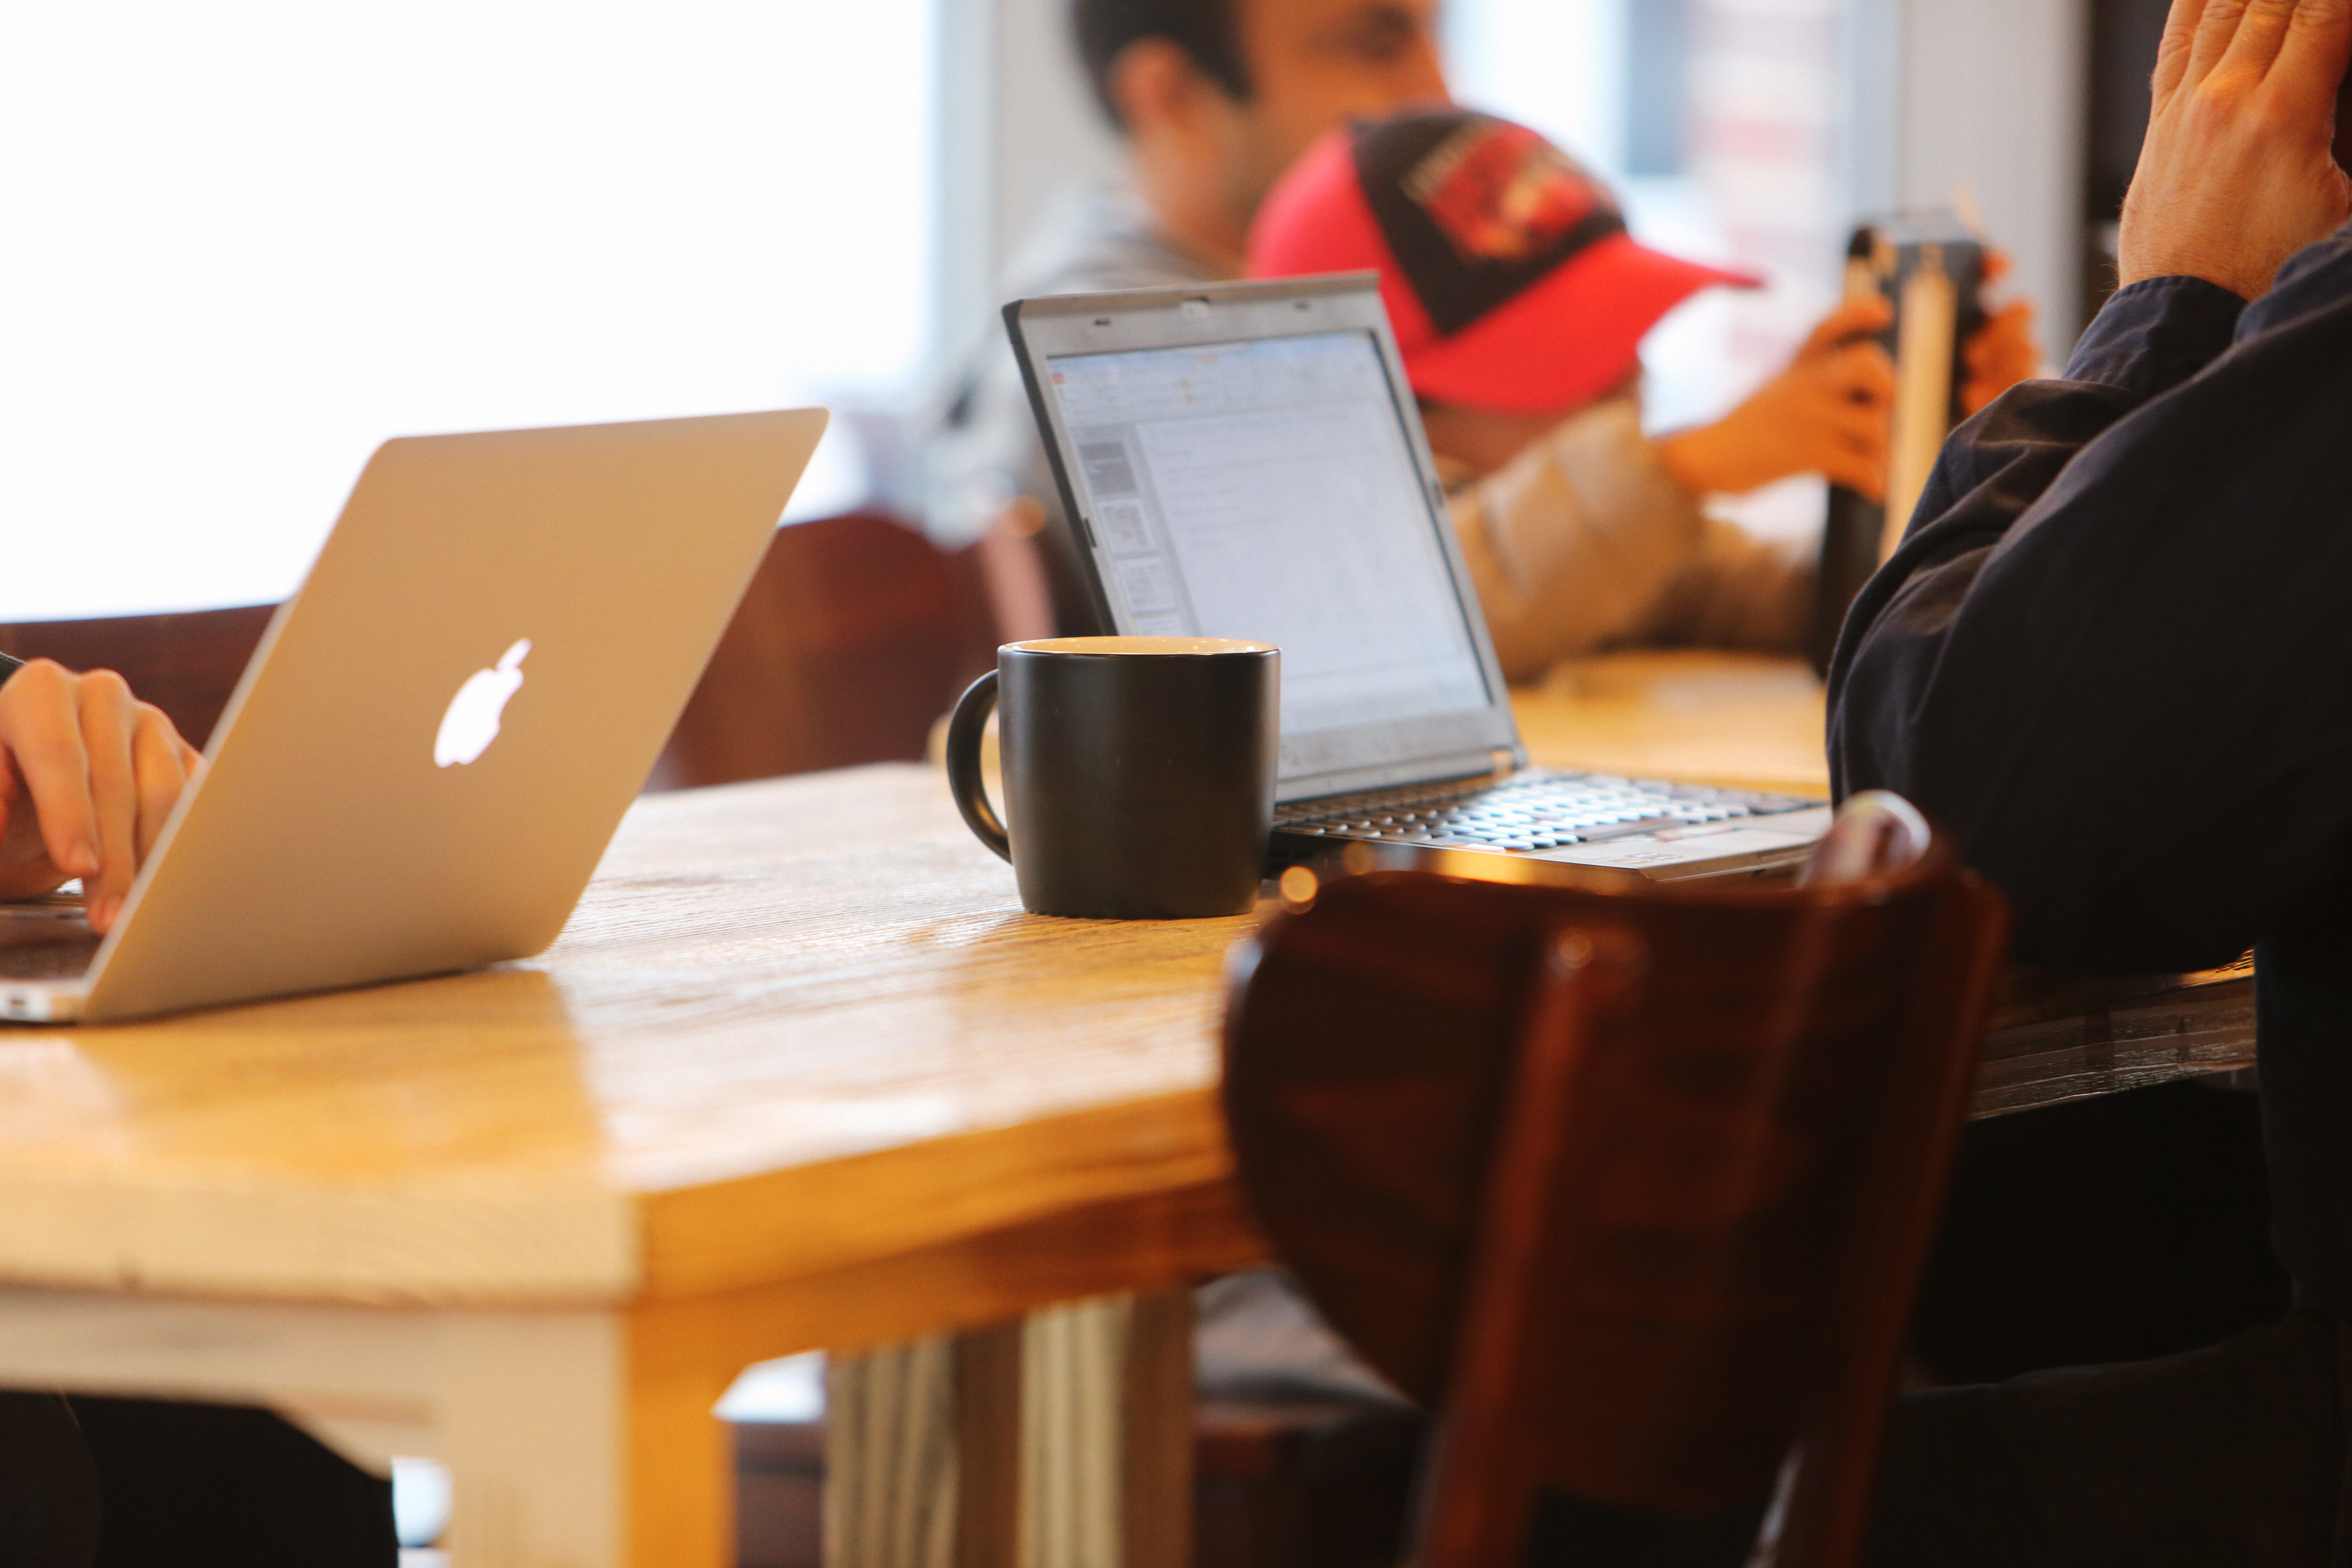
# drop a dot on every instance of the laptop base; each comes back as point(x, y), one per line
point(47, 950)
point(1659, 831)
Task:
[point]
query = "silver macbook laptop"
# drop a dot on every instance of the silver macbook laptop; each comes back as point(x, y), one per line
point(1247, 460)
point(441, 729)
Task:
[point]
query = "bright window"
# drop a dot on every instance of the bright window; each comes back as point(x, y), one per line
point(1717, 123)
point(248, 242)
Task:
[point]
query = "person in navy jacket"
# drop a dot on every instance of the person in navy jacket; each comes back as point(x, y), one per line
point(2113, 654)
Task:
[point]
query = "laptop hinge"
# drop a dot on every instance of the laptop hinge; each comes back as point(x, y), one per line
point(1463, 765)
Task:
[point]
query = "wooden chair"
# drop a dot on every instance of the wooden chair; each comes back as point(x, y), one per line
point(186, 663)
point(1300, 1483)
point(1631, 1188)
point(856, 634)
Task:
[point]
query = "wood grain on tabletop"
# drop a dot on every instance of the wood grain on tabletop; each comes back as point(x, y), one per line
point(1746, 721)
point(799, 1036)
point(795, 1026)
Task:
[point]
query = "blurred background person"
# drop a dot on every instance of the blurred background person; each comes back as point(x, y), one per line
point(1211, 101)
point(1520, 302)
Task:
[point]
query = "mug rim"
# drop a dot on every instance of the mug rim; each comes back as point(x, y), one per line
point(1140, 648)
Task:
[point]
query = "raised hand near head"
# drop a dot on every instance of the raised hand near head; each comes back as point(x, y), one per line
point(2237, 173)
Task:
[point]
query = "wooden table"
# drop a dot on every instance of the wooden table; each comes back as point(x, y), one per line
point(1739, 719)
point(799, 1073)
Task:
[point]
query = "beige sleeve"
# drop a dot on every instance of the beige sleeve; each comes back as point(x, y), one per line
point(1572, 542)
point(1737, 591)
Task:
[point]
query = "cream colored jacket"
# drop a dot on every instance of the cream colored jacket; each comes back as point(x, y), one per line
point(1583, 542)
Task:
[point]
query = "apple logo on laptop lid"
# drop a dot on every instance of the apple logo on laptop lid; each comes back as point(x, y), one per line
point(472, 721)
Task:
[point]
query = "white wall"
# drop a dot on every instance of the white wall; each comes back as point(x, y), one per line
point(1993, 94)
point(248, 243)
point(1938, 93)
point(1556, 65)
point(1018, 130)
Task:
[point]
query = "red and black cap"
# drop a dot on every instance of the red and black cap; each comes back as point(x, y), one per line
point(1507, 270)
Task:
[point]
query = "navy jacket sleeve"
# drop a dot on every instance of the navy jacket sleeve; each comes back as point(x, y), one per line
point(2114, 651)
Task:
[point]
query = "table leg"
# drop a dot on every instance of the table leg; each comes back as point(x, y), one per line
point(890, 1458)
point(531, 1411)
point(680, 1475)
point(1072, 1434)
point(1156, 1482)
point(583, 1438)
point(534, 1424)
point(1062, 1441)
point(988, 1378)
point(574, 1438)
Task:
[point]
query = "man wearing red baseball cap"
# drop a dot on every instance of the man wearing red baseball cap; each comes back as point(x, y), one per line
point(1520, 303)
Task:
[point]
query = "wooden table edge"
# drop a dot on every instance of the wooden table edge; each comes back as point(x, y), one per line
point(776, 1227)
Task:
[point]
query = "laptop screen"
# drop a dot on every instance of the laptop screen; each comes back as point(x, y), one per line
point(1267, 490)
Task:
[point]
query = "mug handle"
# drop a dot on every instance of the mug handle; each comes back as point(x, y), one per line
point(970, 792)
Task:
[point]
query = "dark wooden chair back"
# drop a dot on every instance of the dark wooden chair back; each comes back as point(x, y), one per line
point(856, 634)
point(186, 663)
point(1631, 1188)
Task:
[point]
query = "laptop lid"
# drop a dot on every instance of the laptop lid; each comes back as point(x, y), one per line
point(1247, 460)
point(441, 729)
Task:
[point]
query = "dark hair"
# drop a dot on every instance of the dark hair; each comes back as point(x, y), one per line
point(1208, 30)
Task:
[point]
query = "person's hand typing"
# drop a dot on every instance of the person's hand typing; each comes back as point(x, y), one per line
point(88, 775)
point(2236, 174)
point(1827, 414)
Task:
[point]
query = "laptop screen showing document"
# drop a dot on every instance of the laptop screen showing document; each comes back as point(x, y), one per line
point(1247, 460)
point(1268, 486)
point(1272, 484)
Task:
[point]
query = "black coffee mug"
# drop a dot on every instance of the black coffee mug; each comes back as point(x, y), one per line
point(1139, 773)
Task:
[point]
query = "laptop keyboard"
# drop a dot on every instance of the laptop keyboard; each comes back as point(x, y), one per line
point(48, 960)
point(45, 938)
point(1533, 810)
